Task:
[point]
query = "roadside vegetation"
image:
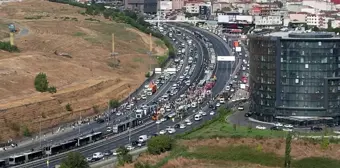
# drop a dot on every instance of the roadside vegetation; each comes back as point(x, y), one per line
point(74, 160)
point(41, 84)
point(249, 148)
point(6, 46)
point(128, 17)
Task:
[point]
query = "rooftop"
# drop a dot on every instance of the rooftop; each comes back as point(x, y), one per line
point(303, 35)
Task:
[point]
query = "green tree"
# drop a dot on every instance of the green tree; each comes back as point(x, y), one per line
point(26, 132)
point(288, 150)
point(160, 144)
point(74, 160)
point(40, 82)
point(114, 103)
point(123, 156)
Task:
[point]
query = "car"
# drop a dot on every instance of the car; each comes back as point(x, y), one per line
point(276, 128)
point(89, 159)
point(143, 97)
point(130, 147)
point(108, 153)
point(187, 120)
point(171, 131)
point(287, 129)
point(162, 132)
point(288, 126)
point(163, 119)
point(115, 153)
point(189, 123)
point(260, 127)
point(177, 126)
point(278, 124)
point(241, 108)
point(203, 113)
point(182, 126)
point(316, 128)
point(118, 113)
point(212, 113)
point(97, 156)
point(158, 121)
point(140, 144)
point(108, 129)
point(218, 104)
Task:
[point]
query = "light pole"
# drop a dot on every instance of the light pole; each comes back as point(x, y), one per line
point(40, 131)
point(48, 158)
point(79, 124)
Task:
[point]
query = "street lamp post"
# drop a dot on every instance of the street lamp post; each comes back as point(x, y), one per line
point(40, 131)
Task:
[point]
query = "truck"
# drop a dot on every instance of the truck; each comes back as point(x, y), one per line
point(153, 88)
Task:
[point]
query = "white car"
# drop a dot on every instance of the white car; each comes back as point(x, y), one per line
point(171, 131)
point(158, 121)
point(162, 132)
point(278, 124)
point(203, 113)
point(118, 113)
point(182, 126)
point(288, 125)
point(115, 153)
point(187, 120)
point(163, 119)
point(212, 113)
point(260, 127)
point(129, 147)
point(89, 159)
point(189, 123)
point(287, 129)
point(218, 104)
point(143, 97)
point(240, 108)
point(97, 155)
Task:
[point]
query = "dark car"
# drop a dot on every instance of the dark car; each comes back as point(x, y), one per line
point(247, 114)
point(100, 120)
point(134, 143)
point(177, 126)
point(140, 144)
point(316, 128)
point(107, 153)
point(211, 106)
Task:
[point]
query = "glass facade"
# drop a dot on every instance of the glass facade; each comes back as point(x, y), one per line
point(262, 78)
point(294, 77)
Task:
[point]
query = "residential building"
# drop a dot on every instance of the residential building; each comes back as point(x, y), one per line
point(177, 4)
point(193, 7)
point(295, 77)
point(268, 20)
point(146, 6)
point(319, 4)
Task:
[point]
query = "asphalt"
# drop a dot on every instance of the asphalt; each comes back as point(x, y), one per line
point(87, 128)
point(118, 140)
point(223, 69)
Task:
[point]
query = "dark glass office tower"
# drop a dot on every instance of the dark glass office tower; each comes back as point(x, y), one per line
point(295, 77)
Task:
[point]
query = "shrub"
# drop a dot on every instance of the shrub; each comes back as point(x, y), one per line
point(26, 132)
point(114, 103)
point(142, 165)
point(6, 46)
point(68, 107)
point(123, 156)
point(52, 89)
point(147, 75)
point(40, 82)
point(160, 144)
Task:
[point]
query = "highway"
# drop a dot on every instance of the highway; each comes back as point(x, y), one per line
point(87, 128)
point(121, 139)
point(223, 69)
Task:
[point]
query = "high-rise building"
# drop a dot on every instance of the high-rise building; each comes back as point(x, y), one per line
point(295, 77)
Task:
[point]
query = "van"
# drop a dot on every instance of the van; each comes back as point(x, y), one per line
point(198, 117)
point(142, 138)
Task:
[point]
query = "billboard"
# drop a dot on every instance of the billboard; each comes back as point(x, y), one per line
point(225, 58)
point(165, 5)
point(235, 18)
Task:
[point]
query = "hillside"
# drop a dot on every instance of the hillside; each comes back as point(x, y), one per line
point(85, 80)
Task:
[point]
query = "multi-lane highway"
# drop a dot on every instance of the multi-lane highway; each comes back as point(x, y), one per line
point(147, 128)
point(223, 69)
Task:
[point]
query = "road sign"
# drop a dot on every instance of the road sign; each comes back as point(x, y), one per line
point(225, 58)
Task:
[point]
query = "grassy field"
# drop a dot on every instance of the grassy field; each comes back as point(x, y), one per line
point(221, 128)
point(219, 144)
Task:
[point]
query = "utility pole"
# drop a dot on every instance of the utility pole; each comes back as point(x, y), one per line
point(79, 123)
point(158, 13)
point(150, 52)
point(113, 53)
point(40, 131)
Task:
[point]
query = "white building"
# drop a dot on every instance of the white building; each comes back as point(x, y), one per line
point(193, 8)
point(319, 20)
point(268, 20)
point(335, 23)
point(319, 4)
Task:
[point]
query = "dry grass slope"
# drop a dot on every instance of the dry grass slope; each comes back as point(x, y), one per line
point(83, 81)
